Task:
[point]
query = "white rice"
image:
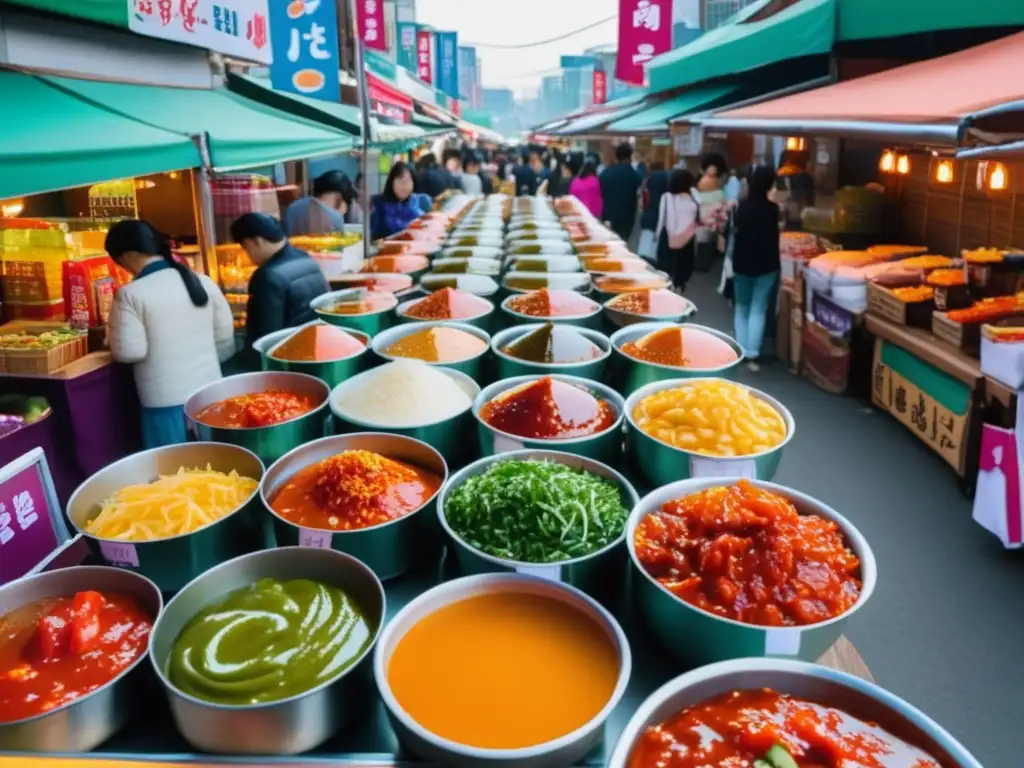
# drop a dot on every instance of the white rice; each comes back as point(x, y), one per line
point(404, 393)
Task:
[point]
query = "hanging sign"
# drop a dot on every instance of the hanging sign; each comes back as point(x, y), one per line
point(236, 28)
point(424, 59)
point(645, 31)
point(446, 49)
point(370, 17)
point(405, 52)
point(306, 48)
point(113, 200)
point(600, 86)
point(31, 525)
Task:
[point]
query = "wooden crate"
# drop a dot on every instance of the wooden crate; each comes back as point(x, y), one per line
point(882, 303)
point(965, 336)
point(41, 362)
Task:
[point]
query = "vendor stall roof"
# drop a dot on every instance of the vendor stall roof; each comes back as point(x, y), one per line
point(341, 116)
point(930, 101)
point(874, 19)
point(242, 133)
point(758, 36)
point(656, 117)
point(597, 116)
point(52, 140)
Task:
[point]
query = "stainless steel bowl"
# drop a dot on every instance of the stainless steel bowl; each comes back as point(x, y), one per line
point(524, 282)
point(370, 280)
point(472, 266)
point(605, 446)
point(566, 750)
point(269, 443)
point(662, 463)
point(173, 562)
point(331, 372)
point(589, 573)
point(85, 723)
point(617, 318)
point(370, 323)
point(509, 367)
point(474, 366)
point(696, 636)
point(481, 320)
point(448, 437)
point(293, 725)
point(545, 263)
point(591, 319)
point(481, 285)
point(633, 374)
point(390, 549)
point(860, 698)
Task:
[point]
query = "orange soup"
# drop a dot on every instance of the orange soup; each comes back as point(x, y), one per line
point(464, 676)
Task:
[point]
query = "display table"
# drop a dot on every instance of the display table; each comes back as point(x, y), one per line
point(94, 419)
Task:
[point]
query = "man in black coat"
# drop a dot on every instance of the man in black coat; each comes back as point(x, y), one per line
point(619, 186)
point(286, 279)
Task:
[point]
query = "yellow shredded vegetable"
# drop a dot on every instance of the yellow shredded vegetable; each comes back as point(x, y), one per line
point(171, 505)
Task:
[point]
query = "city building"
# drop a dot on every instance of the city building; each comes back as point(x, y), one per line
point(714, 13)
point(605, 57)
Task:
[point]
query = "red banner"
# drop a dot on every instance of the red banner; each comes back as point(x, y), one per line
point(370, 18)
point(600, 86)
point(424, 59)
point(388, 102)
point(645, 31)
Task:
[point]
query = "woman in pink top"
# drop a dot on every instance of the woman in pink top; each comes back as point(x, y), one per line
point(587, 189)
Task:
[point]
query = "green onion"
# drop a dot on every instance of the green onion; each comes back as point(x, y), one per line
point(536, 511)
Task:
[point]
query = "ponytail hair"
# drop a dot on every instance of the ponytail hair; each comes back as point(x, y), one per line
point(141, 237)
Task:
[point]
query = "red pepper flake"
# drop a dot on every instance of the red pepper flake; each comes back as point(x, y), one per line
point(448, 304)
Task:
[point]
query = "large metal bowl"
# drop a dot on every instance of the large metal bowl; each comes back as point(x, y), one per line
point(662, 463)
point(331, 372)
point(173, 562)
point(568, 749)
point(370, 323)
point(269, 443)
point(545, 263)
point(605, 446)
point(860, 698)
point(633, 373)
point(481, 320)
point(390, 549)
point(447, 437)
point(509, 367)
point(593, 573)
point(699, 637)
point(293, 725)
point(591, 319)
point(85, 723)
point(471, 266)
point(474, 366)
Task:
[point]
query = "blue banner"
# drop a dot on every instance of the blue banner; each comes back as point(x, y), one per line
point(447, 80)
point(467, 74)
point(405, 45)
point(305, 42)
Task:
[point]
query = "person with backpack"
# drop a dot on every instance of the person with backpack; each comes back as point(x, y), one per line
point(677, 224)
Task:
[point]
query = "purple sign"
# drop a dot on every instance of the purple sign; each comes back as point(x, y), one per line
point(835, 319)
point(27, 533)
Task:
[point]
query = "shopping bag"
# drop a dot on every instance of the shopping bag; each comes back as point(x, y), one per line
point(997, 500)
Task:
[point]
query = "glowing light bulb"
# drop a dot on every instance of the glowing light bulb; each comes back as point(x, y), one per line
point(888, 162)
point(944, 172)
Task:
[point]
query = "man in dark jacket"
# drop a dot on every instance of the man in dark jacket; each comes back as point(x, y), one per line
point(431, 179)
point(285, 281)
point(619, 186)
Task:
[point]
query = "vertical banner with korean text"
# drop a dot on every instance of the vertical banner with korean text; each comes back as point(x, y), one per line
point(424, 57)
point(645, 31)
point(446, 50)
point(237, 29)
point(600, 86)
point(370, 21)
point(467, 74)
point(405, 53)
point(306, 48)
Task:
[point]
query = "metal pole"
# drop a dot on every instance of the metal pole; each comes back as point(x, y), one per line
point(202, 203)
point(364, 108)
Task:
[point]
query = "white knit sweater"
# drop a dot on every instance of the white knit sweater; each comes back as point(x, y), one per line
point(176, 347)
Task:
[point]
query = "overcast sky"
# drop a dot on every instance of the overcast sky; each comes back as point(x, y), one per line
point(512, 22)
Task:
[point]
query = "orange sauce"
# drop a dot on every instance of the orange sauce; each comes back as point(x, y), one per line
point(462, 674)
point(448, 304)
point(660, 302)
point(681, 348)
point(318, 343)
point(547, 409)
point(438, 345)
point(259, 409)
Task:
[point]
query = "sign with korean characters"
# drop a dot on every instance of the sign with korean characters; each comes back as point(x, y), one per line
point(236, 28)
point(600, 86)
point(370, 18)
point(306, 48)
point(113, 200)
point(645, 31)
point(31, 524)
point(405, 50)
point(424, 56)
point(929, 402)
point(446, 48)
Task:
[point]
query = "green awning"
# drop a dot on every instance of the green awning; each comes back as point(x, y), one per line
point(426, 122)
point(750, 41)
point(595, 118)
point(478, 117)
point(657, 116)
point(242, 133)
point(340, 116)
point(873, 19)
point(113, 12)
point(50, 140)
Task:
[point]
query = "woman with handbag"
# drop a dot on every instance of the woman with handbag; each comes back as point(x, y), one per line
point(677, 224)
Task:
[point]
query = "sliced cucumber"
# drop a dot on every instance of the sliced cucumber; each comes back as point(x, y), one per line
point(779, 757)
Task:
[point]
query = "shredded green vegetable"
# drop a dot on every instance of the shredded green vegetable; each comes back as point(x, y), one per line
point(536, 511)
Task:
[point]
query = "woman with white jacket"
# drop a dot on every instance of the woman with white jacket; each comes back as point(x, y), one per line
point(678, 216)
point(173, 326)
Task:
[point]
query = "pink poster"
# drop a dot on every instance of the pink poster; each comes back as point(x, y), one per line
point(645, 31)
point(600, 86)
point(424, 57)
point(370, 15)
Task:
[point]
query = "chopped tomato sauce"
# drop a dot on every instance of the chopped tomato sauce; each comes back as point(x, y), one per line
point(746, 554)
point(260, 409)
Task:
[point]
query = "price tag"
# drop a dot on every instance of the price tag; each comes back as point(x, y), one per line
point(120, 553)
point(549, 572)
point(504, 444)
point(703, 466)
point(782, 642)
point(30, 523)
point(309, 537)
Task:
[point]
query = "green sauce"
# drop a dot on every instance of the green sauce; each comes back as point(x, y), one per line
point(267, 642)
point(553, 344)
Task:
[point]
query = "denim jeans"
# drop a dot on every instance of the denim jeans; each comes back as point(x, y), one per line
point(752, 295)
point(163, 426)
